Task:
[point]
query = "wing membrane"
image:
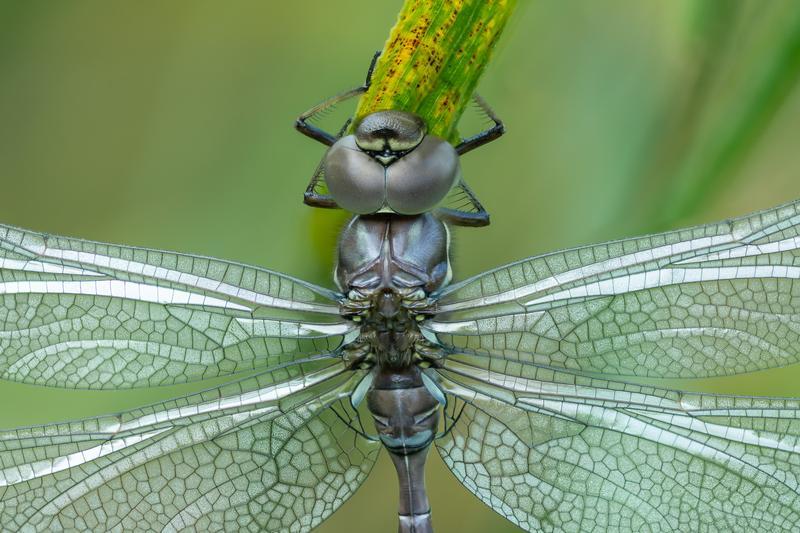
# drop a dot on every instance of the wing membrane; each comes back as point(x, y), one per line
point(556, 452)
point(712, 300)
point(81, 314)
point(264, 453)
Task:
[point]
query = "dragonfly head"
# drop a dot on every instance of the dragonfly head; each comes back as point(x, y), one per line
point(390, 165)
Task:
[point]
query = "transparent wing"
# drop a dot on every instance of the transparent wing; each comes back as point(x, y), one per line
point(554, 452)
point(82, 314)
point(268, 453)
point(712, 300)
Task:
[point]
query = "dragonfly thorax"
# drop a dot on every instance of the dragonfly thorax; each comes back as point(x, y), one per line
point(387, 267)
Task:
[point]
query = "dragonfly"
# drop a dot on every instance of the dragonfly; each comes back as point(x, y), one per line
point(523, 378)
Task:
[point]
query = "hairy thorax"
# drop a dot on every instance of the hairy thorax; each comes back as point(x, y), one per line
point(387, 267)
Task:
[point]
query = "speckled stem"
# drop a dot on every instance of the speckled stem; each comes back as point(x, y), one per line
point(433, 59)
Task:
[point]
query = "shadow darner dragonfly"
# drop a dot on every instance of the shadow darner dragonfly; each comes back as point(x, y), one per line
point(522, 377)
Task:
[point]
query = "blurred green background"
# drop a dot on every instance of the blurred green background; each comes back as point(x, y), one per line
point(169, 125)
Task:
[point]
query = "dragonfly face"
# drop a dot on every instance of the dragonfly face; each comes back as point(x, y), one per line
point(389, 165)
point(387, 135)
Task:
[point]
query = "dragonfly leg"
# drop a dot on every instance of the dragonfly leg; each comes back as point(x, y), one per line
point(463, 208)
point(303, 125)
point(355, 306)
point(429, 354)
point(486, 136)
point(418, 304)
point(371, 68)
point(315, 198)
point(358, 355)
point(477, 216)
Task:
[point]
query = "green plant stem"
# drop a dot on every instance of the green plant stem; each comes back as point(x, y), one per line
point(433, 59)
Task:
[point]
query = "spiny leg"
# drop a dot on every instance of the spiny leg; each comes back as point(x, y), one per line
point(303, 125)
point(318, 134)
point(486, 136)
point(470, 213)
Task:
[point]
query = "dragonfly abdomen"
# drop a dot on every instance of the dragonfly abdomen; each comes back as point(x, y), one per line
point(406, 416)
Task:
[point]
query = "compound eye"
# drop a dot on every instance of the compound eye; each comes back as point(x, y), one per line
point(421, 179)
point(355, 180)
point(390, 131)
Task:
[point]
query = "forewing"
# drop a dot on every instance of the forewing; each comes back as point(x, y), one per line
point(268, 453)
point(713, 300)
point(82, 314)
point(555, 452)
